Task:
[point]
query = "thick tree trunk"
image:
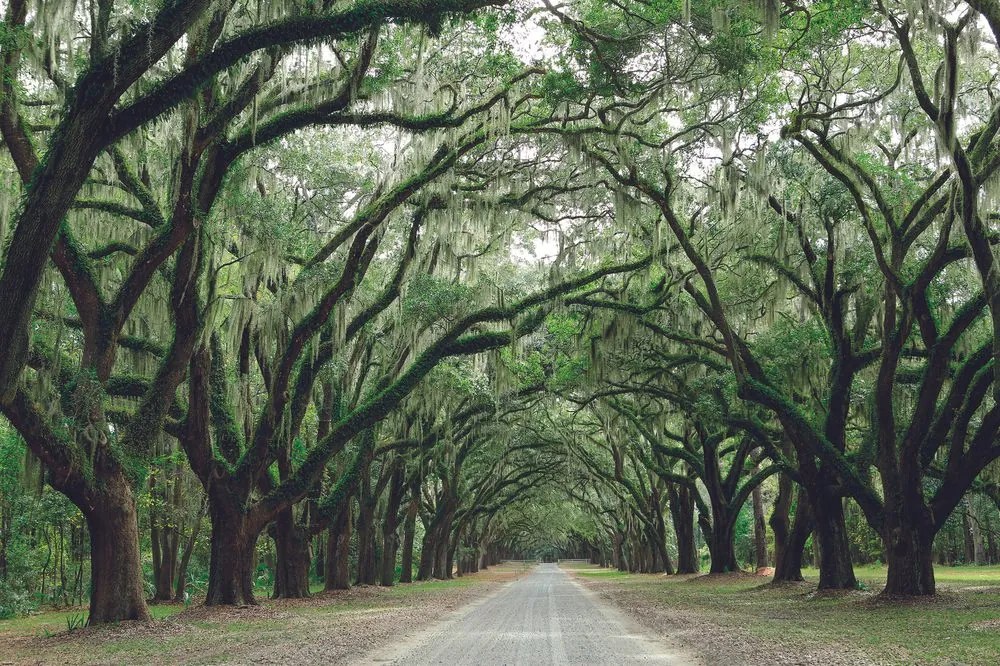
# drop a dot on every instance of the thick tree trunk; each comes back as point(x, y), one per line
point(428, 549)
point(366, 543)
point(231, 568)
point(390, 548)
point(722, 547)
point(445, 555)
point(658, 535)
point(682, 513)
point(117, 591)
point(338, 566)
point(291, 566)
point(908, 543)
point(484, 556)
point(836, 572)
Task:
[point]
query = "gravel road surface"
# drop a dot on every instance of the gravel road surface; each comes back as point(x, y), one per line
point(543, 618)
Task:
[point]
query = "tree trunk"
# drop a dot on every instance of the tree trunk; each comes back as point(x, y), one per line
point(682, 513)
point(409, 530)
point(722, 546)
point(759, 530)
point(164, 541)
point(390, 539)
point(449, 560)
point(181, 588)
point(320, 548)
point(366, 542)
point(909, 553)
point(428, 549)
point(117, 591)
point(154, 544)
point(338, 565)
point(836, 572)
point(291, 547)
point(658, 536)
point(976, 534)
point(484, 556)
point(159, 541)
point(231, 569)
point(618, 554)
point(444, 550)
point(790, 540)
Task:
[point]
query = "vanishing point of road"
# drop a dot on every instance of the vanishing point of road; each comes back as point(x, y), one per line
point(542, 618)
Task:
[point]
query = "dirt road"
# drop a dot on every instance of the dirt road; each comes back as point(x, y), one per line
point(543, 618)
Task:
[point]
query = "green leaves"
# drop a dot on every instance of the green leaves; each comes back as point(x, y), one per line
point(430, 300)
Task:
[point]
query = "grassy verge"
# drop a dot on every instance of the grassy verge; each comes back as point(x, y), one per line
point(960, 626)
point(327, 628)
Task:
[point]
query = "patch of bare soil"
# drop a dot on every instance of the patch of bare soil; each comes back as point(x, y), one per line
point(708, 636)
point(719, 577)
point(982, 589)
point(986, 625)
point(942, 598)
point(805, 587)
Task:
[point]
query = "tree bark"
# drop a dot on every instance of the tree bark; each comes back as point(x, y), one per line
point(721, 545)
point(117, 592)
point(759, 530)
point(409, 530)
point(320, 548)
point(181, 589)
point(291, 546)
point(234, 540)
point(338, 565)
point(658, 536)
point(366, 541)
point(390, 538)
point(909, 541)
point(976, 534)
point(682, 513)
point(428, 548)
point(790, 537)
point(836, 571)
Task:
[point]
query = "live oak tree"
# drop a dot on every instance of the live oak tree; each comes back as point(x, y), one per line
point(208, 95)
point(893, 228)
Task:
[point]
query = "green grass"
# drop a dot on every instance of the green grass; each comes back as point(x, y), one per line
point(939, 631)
point(873, 575)
point(55, 621)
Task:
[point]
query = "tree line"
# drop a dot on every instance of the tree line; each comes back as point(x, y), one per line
point(388, 282)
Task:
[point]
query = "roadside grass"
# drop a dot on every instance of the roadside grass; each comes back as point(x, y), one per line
point(874, 574)
point(201, 635)
point(55, 621)
point(960, 626)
